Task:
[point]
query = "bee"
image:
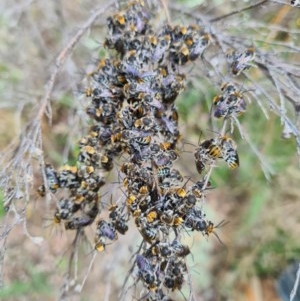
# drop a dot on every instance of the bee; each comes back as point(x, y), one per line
point(151, 216)
point(94, 113)
point(206, 153)
point(229, 152)
point(207, 146)
point(169, 283)
point(106, 66)
point(86, 154)
point(108, 113)
point(125, 118)
point(126, 183)
point(54, 222)
point(200, 225)
point(100, 245)
point(148, 232)
point(172, 86)
point(78, 222)
point(89, 92)
point(118, 219)
point(41, 191)
point(104, 231)
point(127, 168)
point(91, 209)
point(179, 55)
point(189, 201)
point(228, 88)
point(143, 140)
point(90, 169)
point(198, 188)
point(161, 249)
point(68, 177)
point(119, 19)
point(200, 165)
point(146, 272)
point(144, 190)
point(178, 33)
point(210, 229)
point(104, 134)
point(121, 226)
point(94, 134)
point(198, 45)
point(195, 220)
point(127, 135)
point(212, 148)
point(106, 162)
point(83, 141)
point(295, 2)
point(145, 123)
point(168, 217)
point(176, 175)
point(162, 47)
point(131, 90)
point(166, 157)
point(162, 159)
point(116, 25)
point(180, 193)
point(229, 103)
point(240, 61)
point(116, 137)
point(175, 274)
point(165, 146)
point(163, 172)
point(52, 178)
point(130, 63)
point(179, 249)
point(132, 203)
point(65, 208)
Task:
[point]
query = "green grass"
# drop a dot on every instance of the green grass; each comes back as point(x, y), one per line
point(37, 286)
point(273, 254)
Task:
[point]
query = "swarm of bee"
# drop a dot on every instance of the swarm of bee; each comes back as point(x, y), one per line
point(131, 103)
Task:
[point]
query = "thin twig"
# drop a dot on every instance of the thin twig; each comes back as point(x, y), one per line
point(237, 11)
point(60, 60)
point(165, 6)
point(296, 285)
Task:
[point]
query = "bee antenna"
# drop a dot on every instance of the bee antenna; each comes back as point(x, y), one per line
point(188, 179)
point(183, 295)
point(215, 132)
point(222, 224)
point(217, 236)
point(248, 90)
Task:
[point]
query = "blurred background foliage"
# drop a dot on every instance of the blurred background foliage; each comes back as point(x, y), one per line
point(262, 237)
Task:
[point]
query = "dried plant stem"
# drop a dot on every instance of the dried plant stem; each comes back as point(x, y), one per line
point(165, 6)
point(296, 285)
point(60, 60)
point(238, 11)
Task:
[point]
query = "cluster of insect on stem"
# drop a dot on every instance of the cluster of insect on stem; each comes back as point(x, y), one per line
point(131, 96)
